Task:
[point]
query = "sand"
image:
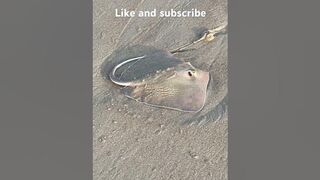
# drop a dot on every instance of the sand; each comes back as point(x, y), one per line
point(135, 141)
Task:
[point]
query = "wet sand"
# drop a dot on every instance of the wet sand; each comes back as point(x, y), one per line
point(135, 141)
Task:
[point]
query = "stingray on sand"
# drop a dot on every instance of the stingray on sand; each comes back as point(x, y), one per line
point(174, 84)
point(166, 81)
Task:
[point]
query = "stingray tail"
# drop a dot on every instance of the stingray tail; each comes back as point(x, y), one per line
point(117, 80)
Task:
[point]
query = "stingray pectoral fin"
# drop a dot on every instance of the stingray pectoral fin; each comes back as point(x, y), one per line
point(184, 99)
point(193, 100)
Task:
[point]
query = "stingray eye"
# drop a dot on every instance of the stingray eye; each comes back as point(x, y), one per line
point(190, 73)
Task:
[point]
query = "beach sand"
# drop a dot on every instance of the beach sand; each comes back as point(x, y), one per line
point(134, 141)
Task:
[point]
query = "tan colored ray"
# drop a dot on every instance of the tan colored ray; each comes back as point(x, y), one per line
point(178, 92)
point(182, 87)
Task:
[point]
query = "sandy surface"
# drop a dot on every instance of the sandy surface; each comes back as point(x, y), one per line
point(135, 141)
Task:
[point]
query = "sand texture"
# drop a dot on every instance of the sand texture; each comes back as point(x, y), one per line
point(133, 141)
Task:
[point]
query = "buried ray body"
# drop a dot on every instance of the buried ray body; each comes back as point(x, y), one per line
point(180, 86)
point(175, 85)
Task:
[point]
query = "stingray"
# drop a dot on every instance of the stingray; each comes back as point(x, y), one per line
point(176, 85)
